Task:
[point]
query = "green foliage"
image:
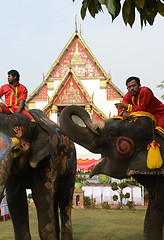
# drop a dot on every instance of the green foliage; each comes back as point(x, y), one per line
point(132, 181)
point(147, 9)
point(161, 86)
point(89, 202)
point(105, 205)
point(119, 188)
point(123, 185)
point(29, 196)
point(131, 205)
point(114, 186)
point(103, 178)
point(146, 195)
point(115, 197)
point(81, 177)
point(127, 195)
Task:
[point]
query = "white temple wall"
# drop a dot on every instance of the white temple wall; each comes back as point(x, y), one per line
point(100, 97)
point(56, 83)
point(40, 105)
point(105, 193)
point(54, 117)
point(50, 93)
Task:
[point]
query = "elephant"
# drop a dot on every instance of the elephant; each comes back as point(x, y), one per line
point(123, 147)
point(37, 156)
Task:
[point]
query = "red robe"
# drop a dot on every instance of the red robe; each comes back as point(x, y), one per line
point(11, 101)
point(145, 101)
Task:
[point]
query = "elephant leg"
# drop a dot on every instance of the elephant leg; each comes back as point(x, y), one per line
point(153, 225)
point(47, 222)
point(65, 205)
point(18, 208)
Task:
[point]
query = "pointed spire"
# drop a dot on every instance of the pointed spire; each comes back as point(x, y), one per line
point(76, 23)
point(80, 29)
point(109, 76)
point(43, 77)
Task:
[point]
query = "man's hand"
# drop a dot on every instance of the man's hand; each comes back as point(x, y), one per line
point(121, 105)
point(126, 116)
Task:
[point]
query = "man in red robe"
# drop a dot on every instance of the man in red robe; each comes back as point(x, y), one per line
point(15, 95)
point(141, 99)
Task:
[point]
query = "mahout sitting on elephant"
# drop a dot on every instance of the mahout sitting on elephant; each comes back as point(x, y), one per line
point(123, 145)
point(37, 156)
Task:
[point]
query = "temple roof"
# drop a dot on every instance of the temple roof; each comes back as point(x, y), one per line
point(63, 84)
point(72, 91)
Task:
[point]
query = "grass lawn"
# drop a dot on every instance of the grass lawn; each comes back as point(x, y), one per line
point(92, 224)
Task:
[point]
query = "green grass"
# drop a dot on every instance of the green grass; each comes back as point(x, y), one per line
point(89, 224)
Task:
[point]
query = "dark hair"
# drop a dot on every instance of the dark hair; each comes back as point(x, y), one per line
point(14, 73)
point(133, 78)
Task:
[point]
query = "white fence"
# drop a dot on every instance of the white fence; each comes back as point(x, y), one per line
point(105, 193)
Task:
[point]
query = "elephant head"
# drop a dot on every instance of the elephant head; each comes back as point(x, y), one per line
point(123, 144)
point(21, 142)
point(10, 149)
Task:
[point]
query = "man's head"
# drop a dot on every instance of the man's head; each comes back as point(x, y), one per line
point(13, 76)
point(133, 85)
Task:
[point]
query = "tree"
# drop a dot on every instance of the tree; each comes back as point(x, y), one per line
point(147, 9)
point(161, 86)
point(119, 188)
point(103, 178)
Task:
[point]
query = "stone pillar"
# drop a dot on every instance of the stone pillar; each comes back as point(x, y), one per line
point(78, 201)
point(54, 113)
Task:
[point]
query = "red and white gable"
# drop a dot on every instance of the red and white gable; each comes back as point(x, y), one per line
point(76, 77)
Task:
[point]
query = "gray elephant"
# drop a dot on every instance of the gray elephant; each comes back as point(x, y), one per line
point(37, 156)
point(123, 146)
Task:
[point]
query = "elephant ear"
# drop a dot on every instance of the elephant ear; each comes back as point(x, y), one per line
point(41, 118)
point(39, 146)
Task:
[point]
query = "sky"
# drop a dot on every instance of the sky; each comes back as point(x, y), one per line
point(33, 33)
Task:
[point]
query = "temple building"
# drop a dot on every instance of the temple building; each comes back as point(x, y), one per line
point(76, 77)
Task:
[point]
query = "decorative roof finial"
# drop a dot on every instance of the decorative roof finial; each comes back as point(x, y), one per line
point(76, 23)
point(109, 76)
point(43, 77)
point(80, 29)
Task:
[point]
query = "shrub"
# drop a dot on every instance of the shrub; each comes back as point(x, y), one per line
point(115, 197)
point(29, 195)
point(131, 205)
point(119, 188)
point(86, 202)
point(105, 205)
point(89, 202)
point(103, 178)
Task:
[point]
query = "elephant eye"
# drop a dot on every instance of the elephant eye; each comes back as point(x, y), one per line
point(111, 133)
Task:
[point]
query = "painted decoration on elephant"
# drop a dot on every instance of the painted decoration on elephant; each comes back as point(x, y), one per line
point(5, 145)
point(96, 117)
point(42, 95)
point(71, 93)
point(111, 93)
point(124, 146)
point(80, 61)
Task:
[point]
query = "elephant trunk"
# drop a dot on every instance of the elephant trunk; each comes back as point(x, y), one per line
point(6, 160)
point(86, 136)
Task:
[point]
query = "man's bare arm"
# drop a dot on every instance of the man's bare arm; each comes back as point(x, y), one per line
point(21, 106)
